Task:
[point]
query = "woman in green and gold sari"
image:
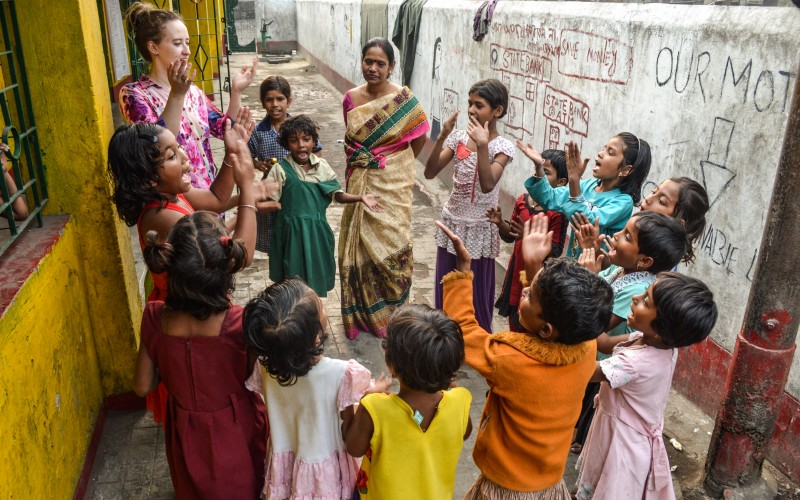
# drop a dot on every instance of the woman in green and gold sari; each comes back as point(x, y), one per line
point(386, 129)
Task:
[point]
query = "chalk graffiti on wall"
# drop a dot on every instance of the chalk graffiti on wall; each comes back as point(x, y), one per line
point(566, 114)
point(449, 102)
point(717, 177)
point(594, 57)
point(736, 78)
point(436, 115)
point(529, 73)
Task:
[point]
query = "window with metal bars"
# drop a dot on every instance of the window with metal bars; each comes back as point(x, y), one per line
point(23, 187)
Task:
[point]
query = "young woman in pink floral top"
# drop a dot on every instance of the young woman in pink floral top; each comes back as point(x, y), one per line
point(166, 94)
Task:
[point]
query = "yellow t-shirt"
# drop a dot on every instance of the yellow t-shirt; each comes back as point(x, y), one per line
point(403, 461)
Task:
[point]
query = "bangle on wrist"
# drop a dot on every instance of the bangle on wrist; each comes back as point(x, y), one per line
point(226, 164)
point(245, 205)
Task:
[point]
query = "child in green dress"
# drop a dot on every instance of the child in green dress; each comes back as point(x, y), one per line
point(301, 243)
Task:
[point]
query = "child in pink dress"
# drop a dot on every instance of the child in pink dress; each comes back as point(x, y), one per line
point(624, 455)
point(309, 397)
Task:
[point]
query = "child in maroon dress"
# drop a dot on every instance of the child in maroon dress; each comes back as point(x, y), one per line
point(194, 342)
point(149, 173)
point(555, 169)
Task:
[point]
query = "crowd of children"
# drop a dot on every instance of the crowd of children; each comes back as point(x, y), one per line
point(253, 408)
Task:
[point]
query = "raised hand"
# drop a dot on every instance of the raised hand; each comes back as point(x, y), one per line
point(265, 207)
point(245, 77)
point(463, 259)
point(531, 152)
point(575, 166)
point(371, 201)
point(537, 241)
point(379, 385)
point(265, 188)
point(495, 215)
point(245, 124)
point(591, 260)
point(179, 77)
point(236, 136)
point(585, 232)
point(233, 161)
point(477, 132)
point(516, 227)
point(449, 125)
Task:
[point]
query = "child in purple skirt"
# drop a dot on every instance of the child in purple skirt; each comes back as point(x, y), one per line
point(480, 155)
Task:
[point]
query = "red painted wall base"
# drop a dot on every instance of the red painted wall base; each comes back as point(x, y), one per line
point(126, 401)
point(711, 361)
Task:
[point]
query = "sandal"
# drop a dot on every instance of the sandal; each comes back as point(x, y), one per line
point(576, 448)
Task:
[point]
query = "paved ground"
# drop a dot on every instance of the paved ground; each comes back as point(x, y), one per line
point(131, 461)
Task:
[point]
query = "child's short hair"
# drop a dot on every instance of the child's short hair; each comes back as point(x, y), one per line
point(636, 154)
point(691, 208)
point(495, 93)
point(298, 125)
point(133, 161)
point(274, 82)
point(200, 259)
point(283, 327)
point(662, 238)
point(685, 309)
point(558, 159)
point(574, 300)
point(424, 347)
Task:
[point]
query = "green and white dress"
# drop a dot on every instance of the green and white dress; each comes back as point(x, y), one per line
point(302, 243)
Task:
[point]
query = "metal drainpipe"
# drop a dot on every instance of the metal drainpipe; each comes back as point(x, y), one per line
point(765, 346)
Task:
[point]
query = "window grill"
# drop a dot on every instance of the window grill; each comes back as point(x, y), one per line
point(25, 169)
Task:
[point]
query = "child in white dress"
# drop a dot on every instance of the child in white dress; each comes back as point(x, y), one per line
point(480, 155)
point(624, 455)
point(309, 397)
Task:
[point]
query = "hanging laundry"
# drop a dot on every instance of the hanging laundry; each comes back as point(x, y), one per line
point(406, 34)
point(374, 19)
point(483, 19)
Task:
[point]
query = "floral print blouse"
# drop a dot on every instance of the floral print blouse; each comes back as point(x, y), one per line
point(144, 101)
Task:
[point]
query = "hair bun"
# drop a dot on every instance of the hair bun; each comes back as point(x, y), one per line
point(157, 255)
point(137, 14)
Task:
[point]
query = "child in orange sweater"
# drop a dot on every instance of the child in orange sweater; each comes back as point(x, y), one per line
point(536, 378)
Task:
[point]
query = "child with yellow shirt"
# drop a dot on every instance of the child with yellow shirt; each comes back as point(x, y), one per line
point(536, 378)
point(411, 440)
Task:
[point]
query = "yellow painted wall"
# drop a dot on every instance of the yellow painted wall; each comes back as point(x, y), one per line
point(50, 378)
point(70, 336)
point(69, 90)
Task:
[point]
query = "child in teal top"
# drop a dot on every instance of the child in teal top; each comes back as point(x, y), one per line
point(619, 171)
point(301, 243)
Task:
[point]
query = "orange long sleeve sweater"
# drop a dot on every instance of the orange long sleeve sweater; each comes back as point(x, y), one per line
point(535, 393)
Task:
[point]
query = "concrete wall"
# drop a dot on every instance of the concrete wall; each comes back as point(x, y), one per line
point(709, 90)
point(708, 86)
point(283, 29)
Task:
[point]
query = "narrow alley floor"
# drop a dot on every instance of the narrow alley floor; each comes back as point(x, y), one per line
point(131, 460)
